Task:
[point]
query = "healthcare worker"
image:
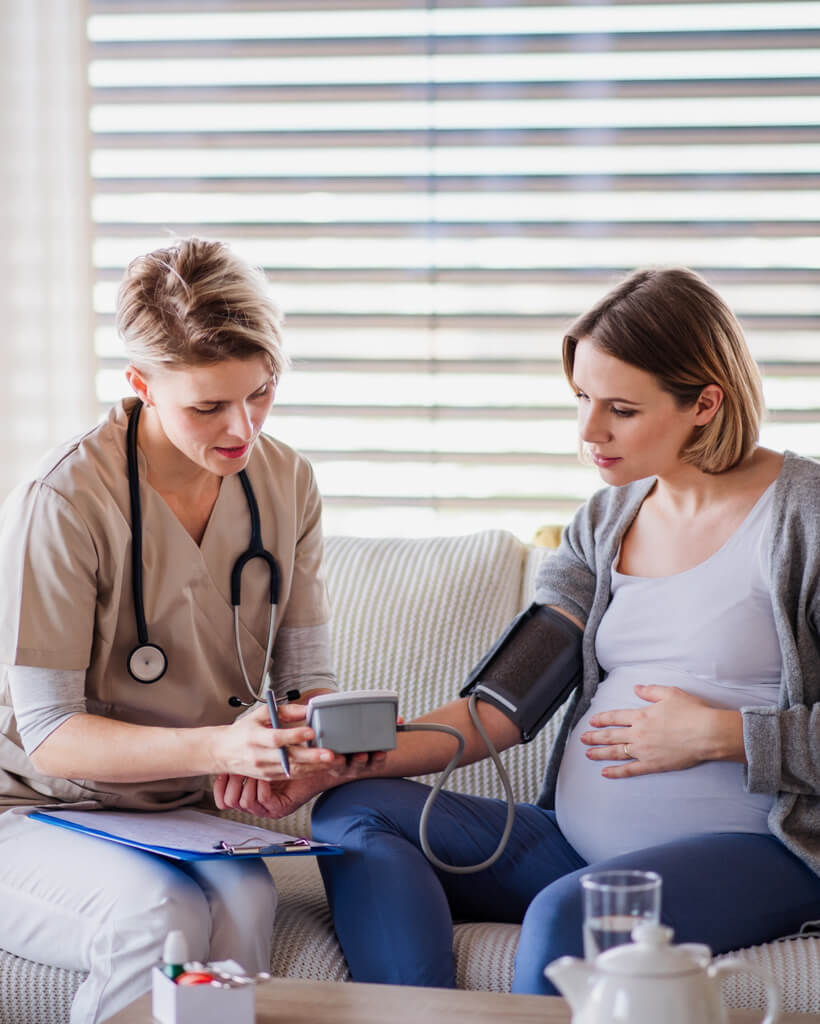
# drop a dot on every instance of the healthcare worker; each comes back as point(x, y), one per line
point(117, 678)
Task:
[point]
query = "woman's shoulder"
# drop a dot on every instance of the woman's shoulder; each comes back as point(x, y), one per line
point(799, 469)
point(85, 466)
point(797, 488)
point(795, 525)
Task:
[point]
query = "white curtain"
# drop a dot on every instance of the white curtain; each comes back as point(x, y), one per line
point(46, 345)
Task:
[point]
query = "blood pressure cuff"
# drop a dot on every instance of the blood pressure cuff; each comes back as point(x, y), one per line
point(531, 669)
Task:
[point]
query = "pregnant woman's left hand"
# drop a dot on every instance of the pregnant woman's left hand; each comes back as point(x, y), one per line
point(674, 730)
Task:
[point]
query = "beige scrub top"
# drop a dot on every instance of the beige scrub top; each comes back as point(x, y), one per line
point(66, 603)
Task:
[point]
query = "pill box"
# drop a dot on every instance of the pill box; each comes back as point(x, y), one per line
point(201, 1004)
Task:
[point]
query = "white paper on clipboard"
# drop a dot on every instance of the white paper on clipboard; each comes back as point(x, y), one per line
point(183, 834)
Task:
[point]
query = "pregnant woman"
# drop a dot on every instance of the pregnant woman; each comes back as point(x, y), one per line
point(691, 746)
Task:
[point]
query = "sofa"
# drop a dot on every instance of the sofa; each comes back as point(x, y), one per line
point(415, 615)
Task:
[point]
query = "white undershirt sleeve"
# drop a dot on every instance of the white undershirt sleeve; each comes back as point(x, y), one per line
point(44, 698)
point(302, 660)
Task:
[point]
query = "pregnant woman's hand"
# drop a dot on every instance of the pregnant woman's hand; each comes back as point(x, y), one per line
point(674, 730)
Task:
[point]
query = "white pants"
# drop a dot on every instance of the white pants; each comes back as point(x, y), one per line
point(87, 904)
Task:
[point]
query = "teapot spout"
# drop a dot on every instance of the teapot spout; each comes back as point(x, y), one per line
point(573, 978)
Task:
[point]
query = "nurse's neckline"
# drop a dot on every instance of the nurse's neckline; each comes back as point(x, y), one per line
point(192, 506)
point(193, 519)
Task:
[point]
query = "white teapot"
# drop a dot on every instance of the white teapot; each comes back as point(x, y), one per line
point(651, 980)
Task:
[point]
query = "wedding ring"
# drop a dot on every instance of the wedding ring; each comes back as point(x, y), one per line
point(626, 750)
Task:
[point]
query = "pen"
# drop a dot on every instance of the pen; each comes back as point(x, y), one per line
point(274, 721)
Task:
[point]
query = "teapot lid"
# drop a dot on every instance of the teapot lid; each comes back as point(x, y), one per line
point(651, 953)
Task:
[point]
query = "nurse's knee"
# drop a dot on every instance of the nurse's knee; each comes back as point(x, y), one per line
point(261, 890)
point(246, 891)
point(187, 911)
point(163, 901)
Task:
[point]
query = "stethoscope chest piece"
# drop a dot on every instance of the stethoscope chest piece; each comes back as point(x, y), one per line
point(147, 663)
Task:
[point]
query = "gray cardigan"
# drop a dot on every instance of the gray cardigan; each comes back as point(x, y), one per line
point(782, 742)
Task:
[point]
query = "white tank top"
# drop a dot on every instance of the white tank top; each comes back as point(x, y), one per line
point(710, 631)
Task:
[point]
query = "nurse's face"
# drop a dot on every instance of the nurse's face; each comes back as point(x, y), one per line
point(213, 414)
point(631, 427)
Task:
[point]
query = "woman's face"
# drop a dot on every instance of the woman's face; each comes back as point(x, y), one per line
point(213, 414)
point(630, 426)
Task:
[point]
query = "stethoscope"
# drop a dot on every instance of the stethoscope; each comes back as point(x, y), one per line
point(147, 663)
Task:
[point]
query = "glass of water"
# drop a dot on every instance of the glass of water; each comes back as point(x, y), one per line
point(614, 903)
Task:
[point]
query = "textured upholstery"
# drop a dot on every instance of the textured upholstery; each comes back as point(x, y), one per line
point(33, 993)
point(795, 964)
point(414, 616)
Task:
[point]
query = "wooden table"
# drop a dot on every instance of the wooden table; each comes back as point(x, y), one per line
point(295, 1001)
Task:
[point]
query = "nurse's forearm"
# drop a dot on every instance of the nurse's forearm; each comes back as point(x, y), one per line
point(106, 750)
point(92, 747)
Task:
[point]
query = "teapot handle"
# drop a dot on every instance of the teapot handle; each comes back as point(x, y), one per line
point(738, 966)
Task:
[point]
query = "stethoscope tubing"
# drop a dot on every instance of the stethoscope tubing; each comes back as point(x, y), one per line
point(136, 523)
point(147, 662)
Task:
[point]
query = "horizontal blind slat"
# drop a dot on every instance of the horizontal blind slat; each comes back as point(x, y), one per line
point(557, 137)
point(341, 92)
point(610, 42)
point(483, 184)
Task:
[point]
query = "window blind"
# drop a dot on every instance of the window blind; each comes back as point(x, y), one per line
point(436, 189)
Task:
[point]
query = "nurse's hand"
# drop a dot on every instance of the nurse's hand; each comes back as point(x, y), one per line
point(274, 799)
point(674, 730)
point(251, 747)
point(264, 799)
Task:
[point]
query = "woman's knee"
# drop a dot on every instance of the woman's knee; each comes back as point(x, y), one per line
point(556, 916)
point(368, 803)
point(552, 927)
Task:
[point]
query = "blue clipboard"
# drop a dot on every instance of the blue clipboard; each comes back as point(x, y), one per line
point(183, 834)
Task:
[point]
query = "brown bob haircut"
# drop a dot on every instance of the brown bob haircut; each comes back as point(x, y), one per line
point(672, 324)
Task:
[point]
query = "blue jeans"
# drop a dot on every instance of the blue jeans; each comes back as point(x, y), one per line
point(394, 912)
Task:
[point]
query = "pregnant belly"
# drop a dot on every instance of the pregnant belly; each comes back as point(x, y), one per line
point(602, 817)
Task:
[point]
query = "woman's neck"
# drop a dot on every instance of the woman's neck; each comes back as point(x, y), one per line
point(690, 492)
point(686, 518)
point(170, 472)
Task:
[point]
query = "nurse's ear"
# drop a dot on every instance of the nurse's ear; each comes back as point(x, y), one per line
point(139, 384)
